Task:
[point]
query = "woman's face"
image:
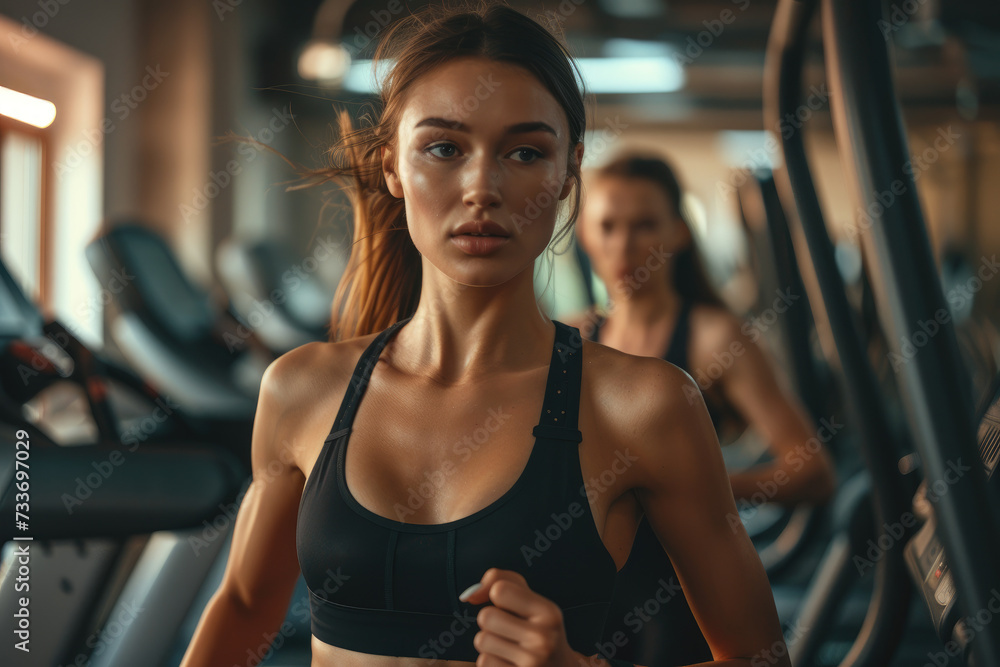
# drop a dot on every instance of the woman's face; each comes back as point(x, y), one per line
point(627, 223)
point(480, 140)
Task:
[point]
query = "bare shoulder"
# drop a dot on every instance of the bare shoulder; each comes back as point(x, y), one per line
point(306, 369)
point(630, 384)
point(643, 403)
point(300, 392)
point(718, 339)
point(715, 329)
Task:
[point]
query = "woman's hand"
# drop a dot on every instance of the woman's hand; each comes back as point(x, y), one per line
point(521, 628)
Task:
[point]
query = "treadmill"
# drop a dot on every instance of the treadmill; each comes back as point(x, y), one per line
point(107, 527)
point(954, 556)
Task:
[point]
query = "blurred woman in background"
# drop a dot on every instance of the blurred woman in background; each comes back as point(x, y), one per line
point(661, 304)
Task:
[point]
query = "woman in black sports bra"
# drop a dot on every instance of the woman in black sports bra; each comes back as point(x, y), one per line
point(635, 234)
point(442, 470)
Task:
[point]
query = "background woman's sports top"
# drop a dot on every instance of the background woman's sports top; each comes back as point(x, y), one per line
point(671, 635)
point(377, 585)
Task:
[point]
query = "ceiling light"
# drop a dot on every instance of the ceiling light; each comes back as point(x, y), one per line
point(633, 9)
point(749, 149)
point(324, 61)
point(659, 74)
point(360, 78)
point(631, 75)
point(621, 47)
point(25, 108)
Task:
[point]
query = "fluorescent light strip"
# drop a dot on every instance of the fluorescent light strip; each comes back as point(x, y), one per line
point(631, 75)
point(359, 76)
point(601, 75)
point(25, 108)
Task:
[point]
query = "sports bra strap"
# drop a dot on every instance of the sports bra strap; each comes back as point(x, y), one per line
point(359, 380)
point(557, 433)
point(677, 351)
point(561, 407)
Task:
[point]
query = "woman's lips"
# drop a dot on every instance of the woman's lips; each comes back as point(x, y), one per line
point(479, 245)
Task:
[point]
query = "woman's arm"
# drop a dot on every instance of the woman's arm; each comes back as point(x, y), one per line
point(801, 470)
point(250, 603)
point(682, 484)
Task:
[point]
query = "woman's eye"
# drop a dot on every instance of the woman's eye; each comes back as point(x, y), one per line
point(532, 153)
point(528, 154)
point(437, 146)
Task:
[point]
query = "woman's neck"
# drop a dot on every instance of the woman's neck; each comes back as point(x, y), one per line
point(645, 307)
point(462, 335)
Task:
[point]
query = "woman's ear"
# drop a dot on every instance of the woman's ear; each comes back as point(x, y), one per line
point(681, 238)
point(570, 179)
point(389, 172)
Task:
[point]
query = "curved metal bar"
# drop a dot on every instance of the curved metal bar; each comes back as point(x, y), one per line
point(885, 621)
point(935, 389)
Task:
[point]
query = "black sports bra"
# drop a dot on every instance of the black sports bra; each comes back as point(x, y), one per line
point(381, 586)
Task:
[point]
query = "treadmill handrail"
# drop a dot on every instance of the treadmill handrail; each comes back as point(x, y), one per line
point(869, 129)
point(109, 491)
point(884, 624)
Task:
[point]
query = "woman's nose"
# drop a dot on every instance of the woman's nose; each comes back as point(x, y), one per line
point(482, 183)
point(618, 243)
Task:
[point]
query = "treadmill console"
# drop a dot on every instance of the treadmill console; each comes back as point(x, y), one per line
point(924, 553)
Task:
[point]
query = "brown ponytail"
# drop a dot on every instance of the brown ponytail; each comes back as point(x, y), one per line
point(381, 283)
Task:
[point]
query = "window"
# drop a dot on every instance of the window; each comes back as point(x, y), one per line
point(22, 190)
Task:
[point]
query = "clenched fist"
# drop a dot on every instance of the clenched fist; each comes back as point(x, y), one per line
point(521, 628)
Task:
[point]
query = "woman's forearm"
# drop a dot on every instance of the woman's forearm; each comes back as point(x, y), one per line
point(786, 483)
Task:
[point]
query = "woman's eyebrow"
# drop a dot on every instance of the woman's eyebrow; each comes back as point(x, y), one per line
point(516, 128)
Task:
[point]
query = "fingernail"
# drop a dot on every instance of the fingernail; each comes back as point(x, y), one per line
point(470, 590)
